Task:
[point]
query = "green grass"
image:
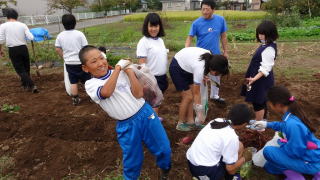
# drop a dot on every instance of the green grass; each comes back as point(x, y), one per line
point(192, 15)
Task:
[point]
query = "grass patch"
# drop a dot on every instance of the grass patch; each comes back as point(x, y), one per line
point(192, 15)
point(6, 162)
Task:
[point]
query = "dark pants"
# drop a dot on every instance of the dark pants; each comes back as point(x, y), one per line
point(19, 56)
point(216, 172)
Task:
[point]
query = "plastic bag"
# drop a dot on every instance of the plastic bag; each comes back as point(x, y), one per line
point(151, 91)
point(40, 34)
point(258, 158)
point(67, 83)
point(204, 103)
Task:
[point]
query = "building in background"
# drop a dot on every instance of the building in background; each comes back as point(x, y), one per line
point(180, 5)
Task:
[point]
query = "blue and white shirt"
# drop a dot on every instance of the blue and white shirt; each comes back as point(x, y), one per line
point(208, 32)
point(297, 135)
point(121, 104)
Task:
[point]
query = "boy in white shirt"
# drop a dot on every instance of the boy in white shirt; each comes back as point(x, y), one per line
point(119, 93)
point(68, 45)
point(217, 152)
point(15, 33)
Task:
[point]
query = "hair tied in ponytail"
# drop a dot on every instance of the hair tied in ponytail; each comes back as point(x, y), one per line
point(292, 99)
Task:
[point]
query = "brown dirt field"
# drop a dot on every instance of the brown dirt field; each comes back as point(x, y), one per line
point(51, 139)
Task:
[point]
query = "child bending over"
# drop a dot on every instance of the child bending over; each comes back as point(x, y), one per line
point(217, 152)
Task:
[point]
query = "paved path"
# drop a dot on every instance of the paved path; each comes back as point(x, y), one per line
point(58, 27)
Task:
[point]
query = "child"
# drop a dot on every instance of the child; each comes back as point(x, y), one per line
point(217, 148)
point(259, 76)
point(300, 151)
point(188, 69)
point(119, 93)
point(15, 33)
point(152, 52)
point(68, 45)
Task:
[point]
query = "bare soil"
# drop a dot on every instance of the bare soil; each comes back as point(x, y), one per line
point(49, 138)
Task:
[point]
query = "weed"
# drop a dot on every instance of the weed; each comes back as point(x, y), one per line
point(10, 108)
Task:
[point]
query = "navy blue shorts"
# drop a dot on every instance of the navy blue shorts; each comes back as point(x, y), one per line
point(162, 82)
point(180, 78)
point(212, 172)
point(76, 73)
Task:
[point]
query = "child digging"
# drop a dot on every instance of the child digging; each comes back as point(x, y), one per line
point(68, 45)
point(119, 94)
point(217, 152)
point(300, 150)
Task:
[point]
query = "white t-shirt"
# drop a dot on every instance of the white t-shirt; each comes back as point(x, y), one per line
point(121, 104)
point(156, 54)
point(211, 144)
point(14, 34)
point(189, 60)
point(71, 42)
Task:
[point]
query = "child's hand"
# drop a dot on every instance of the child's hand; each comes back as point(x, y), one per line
point(123, 63)
point(260, 125)
point(250, 80)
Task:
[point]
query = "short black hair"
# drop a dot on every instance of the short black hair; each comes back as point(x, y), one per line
point(216, 62)
point(269, 29)
point(11, 13)
point(84, 51)
point(154, 20)
point(102, 49)
point(240, 114)
point(210, 3)
point(69, 21)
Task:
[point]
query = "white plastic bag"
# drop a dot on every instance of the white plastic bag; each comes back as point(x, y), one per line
point(67, 83)
point(151, 91)
point(258, 158)
point(204, 103)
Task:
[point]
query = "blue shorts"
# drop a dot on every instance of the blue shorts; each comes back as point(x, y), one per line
point(162, 82)
point(212, 172)
point(180, 78)
point(76, 73)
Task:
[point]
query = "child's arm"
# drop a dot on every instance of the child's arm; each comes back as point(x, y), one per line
point(136, 87)
point(110, 85)
point(268, 57)
point(60, 52)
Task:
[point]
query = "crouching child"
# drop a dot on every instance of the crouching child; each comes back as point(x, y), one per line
point(119, 94)
point(217, 152)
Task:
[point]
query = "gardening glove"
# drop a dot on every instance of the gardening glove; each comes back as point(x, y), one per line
point(260, 125)
point(247, 154)
point(199, 109)
point(123, 63)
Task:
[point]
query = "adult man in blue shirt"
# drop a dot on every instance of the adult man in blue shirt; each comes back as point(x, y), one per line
point(210, 29)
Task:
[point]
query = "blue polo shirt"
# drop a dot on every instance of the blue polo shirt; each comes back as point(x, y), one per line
point(208, 32)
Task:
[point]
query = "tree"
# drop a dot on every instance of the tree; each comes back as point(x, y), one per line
point(5, 2)
point(303, 7)
point(66, 5)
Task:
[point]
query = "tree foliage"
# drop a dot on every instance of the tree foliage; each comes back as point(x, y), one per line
point(303, 7)
point(66, 5)
point(5, 2)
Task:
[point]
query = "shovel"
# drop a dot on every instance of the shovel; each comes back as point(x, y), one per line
point(35, 61)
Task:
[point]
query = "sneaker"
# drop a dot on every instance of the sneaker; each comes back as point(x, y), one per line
point(195, 126)
point(34, 89)
point(76, 100)
point(219, 100)
point(164, 174)
point(183, 127)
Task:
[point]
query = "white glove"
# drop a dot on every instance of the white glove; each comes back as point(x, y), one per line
point(260, 125)
point(199, 108)
point(123, 63)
